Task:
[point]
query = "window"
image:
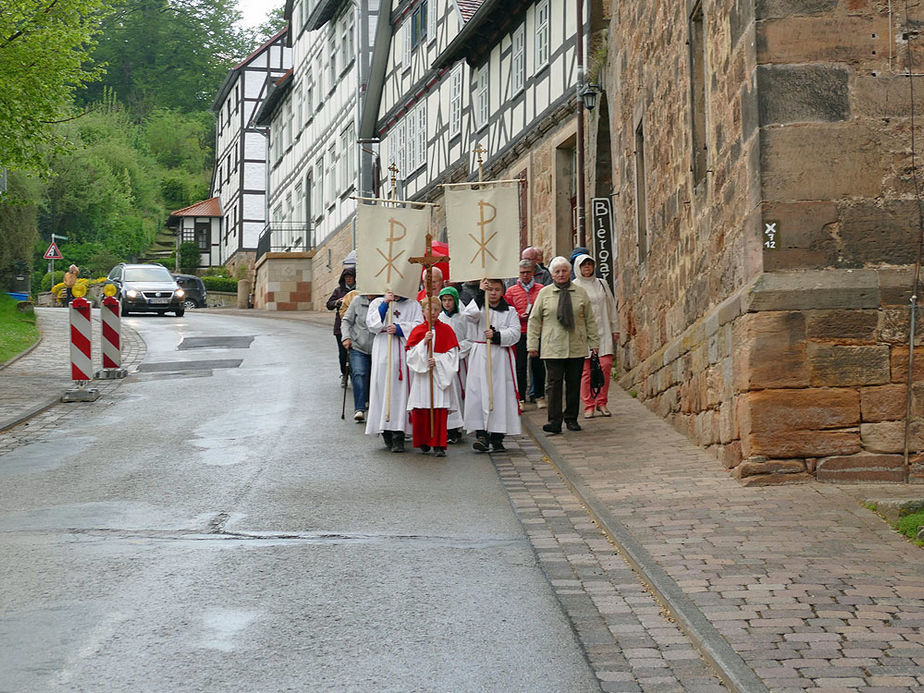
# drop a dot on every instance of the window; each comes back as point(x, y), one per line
point(298, 214)
point(237, 98)
point(431, 20)
point(542, 34)
point(406, 58)
point(277, 214)
point(309, 199)
point(346, 42)
point(482, 104)
point(641, 195)
point(309, 97)
point(419, 25)
point(287, 125)
point(455, 101)
point(698, 94)
point(331, 193)
point(297, 104)
point(288, 211)
point(317, 190)
point(418, 137)
point(347, 158)
point(202, 235)
point(518, 60)
point(332, 65)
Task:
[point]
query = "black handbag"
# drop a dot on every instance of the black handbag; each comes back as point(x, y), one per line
point(597, 377)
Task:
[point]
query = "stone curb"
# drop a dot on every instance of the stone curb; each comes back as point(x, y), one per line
point(18, 356)
point(714, 648)
point(15, 421)
point(48, 404)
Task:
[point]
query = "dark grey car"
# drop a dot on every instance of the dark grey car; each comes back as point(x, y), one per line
point(194, 288)
point(147, 289)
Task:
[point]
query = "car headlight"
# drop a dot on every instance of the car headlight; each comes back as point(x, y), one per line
point(131, 293)
point(179, 293)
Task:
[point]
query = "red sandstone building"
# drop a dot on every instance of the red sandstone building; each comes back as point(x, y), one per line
point(758, 153)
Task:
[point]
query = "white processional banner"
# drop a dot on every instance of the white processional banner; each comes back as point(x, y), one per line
point(386, 237)
point(483, 229)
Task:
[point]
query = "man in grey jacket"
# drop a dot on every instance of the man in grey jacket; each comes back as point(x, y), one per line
point(357, 340)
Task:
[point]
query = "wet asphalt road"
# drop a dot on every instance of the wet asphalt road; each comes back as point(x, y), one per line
point(217, 527)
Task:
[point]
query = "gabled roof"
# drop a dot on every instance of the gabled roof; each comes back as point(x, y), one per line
point(467, 8)
point(233, 72)
point(489, 22)
point(206, 208)
point(274, 95)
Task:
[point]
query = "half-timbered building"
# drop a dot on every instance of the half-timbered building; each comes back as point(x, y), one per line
point(200, 223)
point(316, 165)
point(239, 173)
point(496, 76)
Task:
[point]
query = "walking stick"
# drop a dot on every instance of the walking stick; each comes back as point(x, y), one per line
point(349, 376)
point(388, 366)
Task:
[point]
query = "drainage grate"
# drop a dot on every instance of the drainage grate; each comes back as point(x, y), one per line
point(172, 366)
point(235, 342)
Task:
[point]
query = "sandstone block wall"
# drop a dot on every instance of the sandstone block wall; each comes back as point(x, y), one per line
point(770, 320)
point(283, 281)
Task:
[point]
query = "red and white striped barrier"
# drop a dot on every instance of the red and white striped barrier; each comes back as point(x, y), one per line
point(112, 331)
point(81, 350)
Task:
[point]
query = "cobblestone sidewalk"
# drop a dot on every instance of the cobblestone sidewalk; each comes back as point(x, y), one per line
point(806, 585)
point(36, 381)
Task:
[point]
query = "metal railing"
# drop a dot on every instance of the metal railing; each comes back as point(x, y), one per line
point(285, 237)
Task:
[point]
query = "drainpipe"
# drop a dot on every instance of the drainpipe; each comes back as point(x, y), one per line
point(579, 110)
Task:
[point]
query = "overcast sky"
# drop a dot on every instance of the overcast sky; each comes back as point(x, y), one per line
point(254, 11)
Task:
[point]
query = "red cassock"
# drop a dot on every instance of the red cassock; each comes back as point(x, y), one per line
point(446, 355)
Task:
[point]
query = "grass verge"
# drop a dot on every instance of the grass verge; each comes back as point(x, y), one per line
point(17, 330)
point(908, 525)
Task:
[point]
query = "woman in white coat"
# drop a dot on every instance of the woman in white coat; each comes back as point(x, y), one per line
point(603, 304)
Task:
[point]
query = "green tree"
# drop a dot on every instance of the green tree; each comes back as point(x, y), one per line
point(18, 226)
point(44, 58)
point(169, 53)
point(275, 20)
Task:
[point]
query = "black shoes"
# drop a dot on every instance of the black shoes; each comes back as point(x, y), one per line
point(386, 436)
point(397, 441)
point(481, 442)
point(497, 442)
point(439, 452)
point(573, 425)
point(425, 449)
point(551, 429)
point(454, 435)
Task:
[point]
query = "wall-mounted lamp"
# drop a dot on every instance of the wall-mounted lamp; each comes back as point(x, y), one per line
point(588, 95)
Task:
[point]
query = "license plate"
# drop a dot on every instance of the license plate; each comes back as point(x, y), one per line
point(158, 300)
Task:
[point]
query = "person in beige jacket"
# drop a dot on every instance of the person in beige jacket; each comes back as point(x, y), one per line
point(563, 319)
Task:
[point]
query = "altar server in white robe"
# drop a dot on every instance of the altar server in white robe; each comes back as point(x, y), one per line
point(502, 334)
point(392, 422)
point(452, 316)
point(433, 362)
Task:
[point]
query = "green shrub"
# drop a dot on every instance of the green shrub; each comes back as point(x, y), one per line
point(908, 525)
point(220, 284)
point(189, 256)
point(46, 280)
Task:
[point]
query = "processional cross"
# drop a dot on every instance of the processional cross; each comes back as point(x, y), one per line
point(429, 260)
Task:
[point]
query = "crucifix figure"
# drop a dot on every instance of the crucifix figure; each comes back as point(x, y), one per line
point(429, 260)
point(393, 169)
point(479, 150)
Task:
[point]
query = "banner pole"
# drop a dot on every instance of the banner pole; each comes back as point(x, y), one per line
point(388, 366)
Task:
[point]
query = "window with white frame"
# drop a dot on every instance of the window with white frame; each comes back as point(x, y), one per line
point(406, 56)
point(297, 103)
point(288, 206)
point(346, 41)
point(317, 190)
point(309, 97)
point(287, 125)
point(455, 101)
point(332, 65)
point(431, 20)
point(331, 178)
point(347, 163)
point(418, 136)
point(419, 25)
point(482, 103)
point(299, 214)
point(277, 213)
point(518, 59)
point(542, 33)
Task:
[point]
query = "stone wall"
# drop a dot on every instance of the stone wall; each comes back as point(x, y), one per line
point(328, 264)
point(283, 281)
point(770, 320)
